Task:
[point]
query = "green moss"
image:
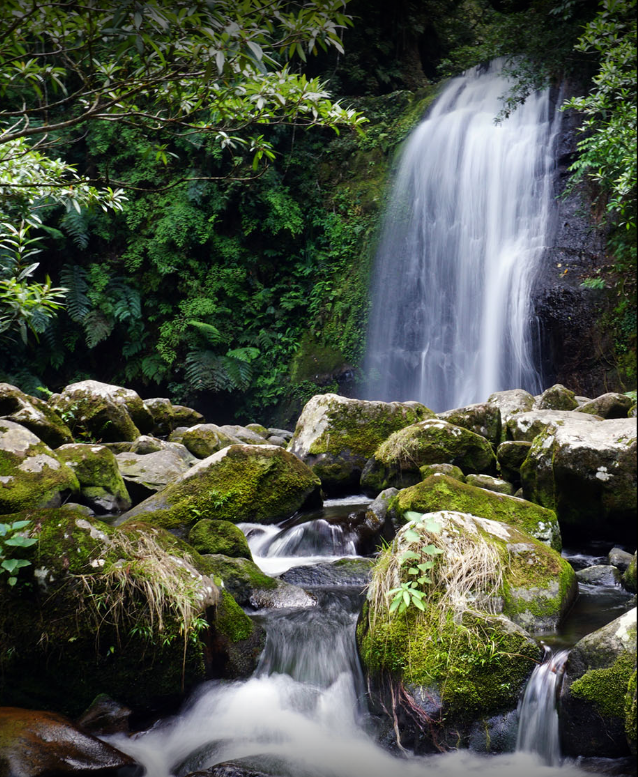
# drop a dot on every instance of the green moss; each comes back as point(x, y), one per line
point(240, 575)
point(219, 537)
point(440, 492)
point(95, 467)
point(631, 722)
point(231, 620)
point(607, 688)
point(478, 666)
point(314, 360)
point(629, 575)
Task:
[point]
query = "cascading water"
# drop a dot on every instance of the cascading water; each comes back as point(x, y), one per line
point(469, 217)
point(538, 717)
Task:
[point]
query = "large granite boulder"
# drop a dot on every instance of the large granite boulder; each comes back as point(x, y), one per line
point(593, 695)
point(31, 473)
point(397, 462)
point(146, 474)
point(556, 397)
point(335, 436)
point(525, 427)
point(255, 483)
point(101, 485)
point(34, 743)
point(461, 655)
point(483, 419)
point(585, 470)
point(511, 402)
point(103, 412)
point(34, 414)
point(439, 492)
point(126, 611)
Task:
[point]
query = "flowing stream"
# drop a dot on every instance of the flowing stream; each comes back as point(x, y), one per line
point(303, 713)
point(469, 217)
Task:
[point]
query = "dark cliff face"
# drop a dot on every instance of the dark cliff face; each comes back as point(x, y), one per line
point(573, 348)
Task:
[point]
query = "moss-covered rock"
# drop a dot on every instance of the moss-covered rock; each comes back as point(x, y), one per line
point(586, 471)
point(450, 470)
point(102, 411)
point(510, 403)
point(629, 576)
point(335, 436)
point(557, 397)
point(262, 431)
point(202, 440)
point(631, 721)
point(34, 414)
point(595, 687)
point(439, 492)
point(483, 419)
point(527, 426)
point(256, 483)
point(464, 656)
point(101, 485)
point(610, 405)
point(31, 475)
point(167, 417)
point(222, 537)
point(397, 461)
point(510, 456)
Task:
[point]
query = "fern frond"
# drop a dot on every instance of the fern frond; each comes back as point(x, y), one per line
point(154, 367)
point(210, 332)
point(97, 328)
point(206, 370)
point(73, 278)
point(77, 226)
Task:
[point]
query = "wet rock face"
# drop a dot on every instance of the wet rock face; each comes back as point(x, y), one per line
point(36, 744)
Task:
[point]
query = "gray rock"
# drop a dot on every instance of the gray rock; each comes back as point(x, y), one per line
point(491, 484)
point(527, 426)
point(242, 434)
point(35, 415)
point(620, 558)
point(274, 440)
point(599, 574)
point(280, 433)
point(146, 444)
point(483, 419)
point(202, 440)
point(511, 455)
point(146, 474)
point(377, 512)
point(511, 402)
point(556, 397)
point(611, 405)
point(344, 572)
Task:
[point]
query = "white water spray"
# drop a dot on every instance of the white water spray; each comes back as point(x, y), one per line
point(468, 221)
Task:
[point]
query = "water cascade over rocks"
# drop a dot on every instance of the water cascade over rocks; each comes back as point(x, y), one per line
point(469, 217)
point(303, 713)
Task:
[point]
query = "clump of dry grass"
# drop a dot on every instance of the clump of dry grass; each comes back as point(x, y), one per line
point(468, 573)
point(147, 590)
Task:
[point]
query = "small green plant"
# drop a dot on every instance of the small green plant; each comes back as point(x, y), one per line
point(419, 562)
point(10, 538)
point(593, 283)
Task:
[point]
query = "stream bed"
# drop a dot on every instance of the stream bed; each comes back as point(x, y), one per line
point(304, 713)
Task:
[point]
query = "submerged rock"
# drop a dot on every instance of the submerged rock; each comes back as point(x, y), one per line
point(398, 460)
point(37, 744)
point(352, 572)
point(599, 574)
point(594, 710)
point(253, 483)
point(335, 436)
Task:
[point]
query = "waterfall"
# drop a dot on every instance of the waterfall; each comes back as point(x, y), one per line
point(538, 718)
point(467, 224)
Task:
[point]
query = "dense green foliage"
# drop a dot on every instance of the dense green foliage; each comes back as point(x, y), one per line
point(228, 265)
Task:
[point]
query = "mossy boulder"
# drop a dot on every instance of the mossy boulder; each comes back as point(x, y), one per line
point(167, 417)
point(202, 440)
point(586, 472)
point(102, 411)
point(101, 485)
point(243, 434)
point(557, 397)
point(262, 431)
point(610, 405)
point(464, 656)
point(631, 716)
point(440, 492)
point(450, 470)
point(483, 419)
point(510, 456)
point(31, 475)
point(222, 537)
point(595, 687)
point(109, 610)
point(34, 743)
point(511, 403)
point(397, 461)
point(255, 483)
point(629, 576)
point(335, 436)
point(146, 474)
point(34, 414)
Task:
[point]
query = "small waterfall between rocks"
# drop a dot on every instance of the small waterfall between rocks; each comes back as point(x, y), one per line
point(538, 715)
point(469, 217)
point(303, 713)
